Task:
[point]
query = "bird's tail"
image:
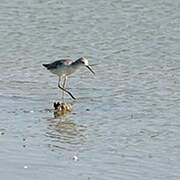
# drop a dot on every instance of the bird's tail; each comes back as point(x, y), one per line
point(46, 65)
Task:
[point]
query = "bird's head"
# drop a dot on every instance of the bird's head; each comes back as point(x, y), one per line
point(85, 63)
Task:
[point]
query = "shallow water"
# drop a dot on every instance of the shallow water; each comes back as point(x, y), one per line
point(125, 122)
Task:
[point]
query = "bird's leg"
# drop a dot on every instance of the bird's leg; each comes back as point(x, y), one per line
point(59, 82)
point(63, 89)
point(63, 85)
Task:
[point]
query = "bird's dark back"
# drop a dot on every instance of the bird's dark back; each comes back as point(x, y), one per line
point(57, 63)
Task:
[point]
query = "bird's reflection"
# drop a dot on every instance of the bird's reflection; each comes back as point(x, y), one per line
point(64, 133)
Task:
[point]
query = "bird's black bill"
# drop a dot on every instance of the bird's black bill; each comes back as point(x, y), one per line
point(90, 69)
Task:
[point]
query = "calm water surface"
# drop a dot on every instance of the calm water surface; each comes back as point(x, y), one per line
point(126, 121)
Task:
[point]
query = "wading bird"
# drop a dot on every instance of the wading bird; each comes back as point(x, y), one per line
point(63, 68)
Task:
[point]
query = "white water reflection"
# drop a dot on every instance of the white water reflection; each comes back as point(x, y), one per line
point(63, 133)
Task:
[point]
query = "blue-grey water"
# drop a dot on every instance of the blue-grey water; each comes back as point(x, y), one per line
point(125, 124)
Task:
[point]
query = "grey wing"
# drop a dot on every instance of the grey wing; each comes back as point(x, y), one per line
point(57, 63)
